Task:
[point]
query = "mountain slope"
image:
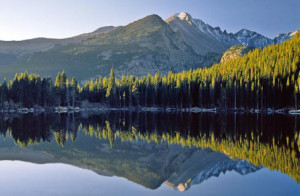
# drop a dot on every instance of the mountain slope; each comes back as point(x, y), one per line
point(192, 175)
point(147, 164)
point(202, 33)
point(252, 39)
point(195, 31)
point(148, 45)
point(235, 52)
point(10, 51)
point(283, 37)
point(23, 47)
point(198, 40)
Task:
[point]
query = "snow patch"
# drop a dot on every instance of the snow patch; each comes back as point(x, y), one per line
point(243, 37)
point(183, 16)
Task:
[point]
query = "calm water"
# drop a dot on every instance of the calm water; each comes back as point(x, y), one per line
point(122, 153)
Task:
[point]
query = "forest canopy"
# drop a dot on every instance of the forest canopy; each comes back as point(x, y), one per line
point(264, 78)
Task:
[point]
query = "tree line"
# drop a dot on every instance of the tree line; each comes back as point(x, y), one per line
point(264, 78)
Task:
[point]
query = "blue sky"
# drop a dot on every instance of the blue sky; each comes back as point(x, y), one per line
point(23, 19)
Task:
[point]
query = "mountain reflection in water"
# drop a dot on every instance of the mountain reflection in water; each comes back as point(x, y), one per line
point(150, 149)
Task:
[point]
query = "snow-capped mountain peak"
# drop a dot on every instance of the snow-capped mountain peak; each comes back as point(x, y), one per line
point(242, 167)
point(183, 16)
point(244, 37)
point(213, 32)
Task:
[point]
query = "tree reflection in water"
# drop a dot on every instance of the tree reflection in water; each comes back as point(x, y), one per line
point(262, 140)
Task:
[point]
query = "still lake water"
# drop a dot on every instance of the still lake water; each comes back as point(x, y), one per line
point(148, 153)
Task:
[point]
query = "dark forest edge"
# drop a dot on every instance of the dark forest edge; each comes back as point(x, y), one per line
point(263, 80)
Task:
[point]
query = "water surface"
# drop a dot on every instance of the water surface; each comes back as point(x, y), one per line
point(148, 153)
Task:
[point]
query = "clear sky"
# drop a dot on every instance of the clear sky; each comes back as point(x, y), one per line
point(23, 19)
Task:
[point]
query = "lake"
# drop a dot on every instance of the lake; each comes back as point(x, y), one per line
point(149, 153)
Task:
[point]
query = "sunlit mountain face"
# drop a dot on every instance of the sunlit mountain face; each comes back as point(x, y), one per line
point(148, 45)
point(152, 149)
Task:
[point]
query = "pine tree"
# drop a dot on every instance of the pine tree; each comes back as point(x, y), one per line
point(74, 90)
point(111, 88)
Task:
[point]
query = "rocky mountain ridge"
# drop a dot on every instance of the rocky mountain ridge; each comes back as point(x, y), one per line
point(149, 45)
point(191, 176)
point(243, 37)
point(235, 52)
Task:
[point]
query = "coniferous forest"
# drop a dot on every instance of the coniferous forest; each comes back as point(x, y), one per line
point(264, 78)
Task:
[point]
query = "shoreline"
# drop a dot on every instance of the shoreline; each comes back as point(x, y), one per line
point(268, 111)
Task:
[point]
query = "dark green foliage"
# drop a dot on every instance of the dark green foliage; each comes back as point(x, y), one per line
point(267, 78)
point(61, 88)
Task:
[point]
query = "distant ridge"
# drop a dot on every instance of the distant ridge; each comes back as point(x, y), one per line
point(148, 45)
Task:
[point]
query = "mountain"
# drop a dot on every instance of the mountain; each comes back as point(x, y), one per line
point(147, 164)
point(235, 52)
point(200, 31)
point(252, 39)
point(148, 45)
point(201, 36)
point(183, 181)
point(104, 29)
point(20, 48)
point(10, 51)
point(201, 42)
point(283, 37)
